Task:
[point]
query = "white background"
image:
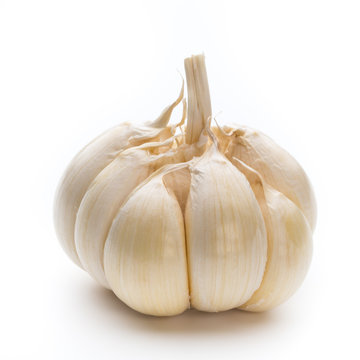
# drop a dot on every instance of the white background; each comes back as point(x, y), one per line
point(71, 69)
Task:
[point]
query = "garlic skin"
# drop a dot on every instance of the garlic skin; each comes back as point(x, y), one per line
point(92, 159)
point(146, 254)
point(289, 244)
point(105, 195)
point(101, 202)
point(225, 233)
point(277, 167)
point(176, 216)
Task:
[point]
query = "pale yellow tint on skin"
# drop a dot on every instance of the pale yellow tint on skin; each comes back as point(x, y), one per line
point(82, 170)
point(145, 252)
point(91, 160)
point(225, 234)
point(277, 167)
point(289, 245)
point(101, 203)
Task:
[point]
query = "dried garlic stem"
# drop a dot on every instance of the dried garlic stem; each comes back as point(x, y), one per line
point(199, 107)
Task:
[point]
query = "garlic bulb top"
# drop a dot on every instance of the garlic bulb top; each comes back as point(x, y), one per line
point(170, 217)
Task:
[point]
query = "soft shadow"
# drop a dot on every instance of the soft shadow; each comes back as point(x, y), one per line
point(114, 311)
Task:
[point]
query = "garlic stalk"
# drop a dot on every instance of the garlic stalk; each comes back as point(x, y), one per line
point(210, 218)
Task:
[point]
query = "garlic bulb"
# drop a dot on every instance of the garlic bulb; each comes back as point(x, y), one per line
point(189, 215)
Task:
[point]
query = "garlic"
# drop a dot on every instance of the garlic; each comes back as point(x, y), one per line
point(189, 215)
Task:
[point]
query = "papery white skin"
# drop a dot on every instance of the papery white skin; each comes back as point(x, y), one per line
point(289, 244)
point(277, 167)
point(105, 195)
point(91, 160)
point(145, 255)
point(102, 200)
point(225, 234)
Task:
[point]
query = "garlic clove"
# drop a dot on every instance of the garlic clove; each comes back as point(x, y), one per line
point(289, 245)
point(105, 195)
point(277, 167)
point(77, 177)
point(225, 235)
point(90, 161)
point(101, 203)
point(145, 252)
